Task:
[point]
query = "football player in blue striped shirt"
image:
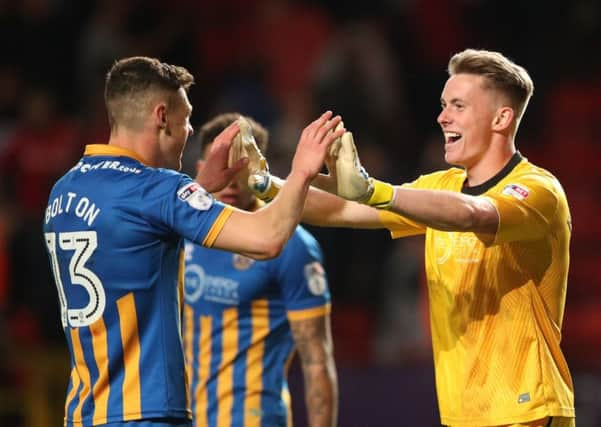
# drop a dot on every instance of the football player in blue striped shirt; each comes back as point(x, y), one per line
point(114, 229)
point(244, 319)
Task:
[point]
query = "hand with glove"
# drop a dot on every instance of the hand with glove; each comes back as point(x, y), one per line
point(266, 186)
point(349, 180)
point(219, 168)
point(346, 178)
point(259, 180)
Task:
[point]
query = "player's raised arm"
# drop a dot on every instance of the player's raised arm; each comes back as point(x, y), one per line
point(262, 234)
point(442, 210)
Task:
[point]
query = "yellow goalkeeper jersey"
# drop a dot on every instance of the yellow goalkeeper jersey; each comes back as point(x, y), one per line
point(496, 311)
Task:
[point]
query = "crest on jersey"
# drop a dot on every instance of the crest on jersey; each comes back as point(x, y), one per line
point(518, 191)
point(316, 278)
point(242, 262)
point(195, 196)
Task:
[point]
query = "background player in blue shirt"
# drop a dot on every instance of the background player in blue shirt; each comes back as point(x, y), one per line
point(114, 229)
point(243, 320)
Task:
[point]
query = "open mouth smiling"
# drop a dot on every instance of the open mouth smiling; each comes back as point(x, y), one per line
point(452, 137)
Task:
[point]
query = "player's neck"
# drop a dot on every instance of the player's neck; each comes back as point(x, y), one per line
point(141, 143)
point(490, 164)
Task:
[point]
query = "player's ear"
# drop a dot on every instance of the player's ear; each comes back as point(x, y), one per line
point(159, 114)
point(503, 119)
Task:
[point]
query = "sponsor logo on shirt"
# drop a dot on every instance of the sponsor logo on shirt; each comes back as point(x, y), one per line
point(113, 165)
point(524, 397)
point(316, 278)
point(518, 191)
point(463, 248)
point(195, 196)
point(212, 288)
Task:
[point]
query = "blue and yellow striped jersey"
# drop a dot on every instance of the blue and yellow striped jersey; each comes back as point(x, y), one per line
point(237, 334)
point(113, 230)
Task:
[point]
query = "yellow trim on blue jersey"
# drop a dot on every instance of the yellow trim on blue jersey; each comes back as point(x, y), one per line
point(254, 362)
point(128, 322)
point(188, 341)
point(74, 386)
point(111, 150)
point(288, 401)
point(82, 373)
point(286, 391)
point(217, 226)
point(225, 381)
point(102, 387)
point(204, 366)
point(309, 313)
point(181, 277)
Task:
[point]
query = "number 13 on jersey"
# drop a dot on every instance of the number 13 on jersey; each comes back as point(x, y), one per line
point(82, 244)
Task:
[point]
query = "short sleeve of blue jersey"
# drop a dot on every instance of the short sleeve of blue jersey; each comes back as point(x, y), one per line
point(175, 203)
point(300, 272)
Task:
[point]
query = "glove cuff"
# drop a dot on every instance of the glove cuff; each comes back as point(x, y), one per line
point(264, 186)
point(382, 194)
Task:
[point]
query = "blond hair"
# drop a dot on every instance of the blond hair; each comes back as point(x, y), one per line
point(499, 72)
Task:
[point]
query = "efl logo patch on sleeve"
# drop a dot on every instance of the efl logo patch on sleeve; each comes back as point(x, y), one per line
point(316, 278)
point(518, 191)
point(195, 196)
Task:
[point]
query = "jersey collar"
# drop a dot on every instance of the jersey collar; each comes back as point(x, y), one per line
point(476, 190)
point(111, 150)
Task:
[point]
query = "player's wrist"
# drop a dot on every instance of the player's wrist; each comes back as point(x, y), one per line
point(301, 175)
point(380, 194)
point(265, 186)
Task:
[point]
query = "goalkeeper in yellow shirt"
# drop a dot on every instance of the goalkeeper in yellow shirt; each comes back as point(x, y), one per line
point(497, 233)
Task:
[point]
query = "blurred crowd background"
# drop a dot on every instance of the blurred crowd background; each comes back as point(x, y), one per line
point(382, 65)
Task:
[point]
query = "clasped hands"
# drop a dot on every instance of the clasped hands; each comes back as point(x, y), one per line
point(346, 176)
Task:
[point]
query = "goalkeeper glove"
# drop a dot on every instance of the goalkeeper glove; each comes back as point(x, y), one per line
point(265, 186)
point(244, 145)
point(260, 181)
point(353, 182)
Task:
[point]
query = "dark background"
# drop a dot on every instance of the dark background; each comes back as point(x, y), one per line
point(382, 65)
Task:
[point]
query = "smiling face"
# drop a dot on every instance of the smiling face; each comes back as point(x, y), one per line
point(177, 129)
point(466, 119)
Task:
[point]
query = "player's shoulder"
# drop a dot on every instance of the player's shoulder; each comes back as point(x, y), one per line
point(530, 174)
point(168, 175)
point(440, 179)
point(160, 179)
point(302, 241)
point(304, 236)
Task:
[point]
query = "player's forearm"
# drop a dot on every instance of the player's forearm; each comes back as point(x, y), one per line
point(327, 210)
point(280, 217)
point(321, 393)
point(313, 340)
point(323, 209)
point(446, 210)
point(263, 234)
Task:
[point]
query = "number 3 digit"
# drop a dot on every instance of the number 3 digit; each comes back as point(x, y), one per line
point(83, 243)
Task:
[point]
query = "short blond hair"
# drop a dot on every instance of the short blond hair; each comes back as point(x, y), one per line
point(500, 74)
